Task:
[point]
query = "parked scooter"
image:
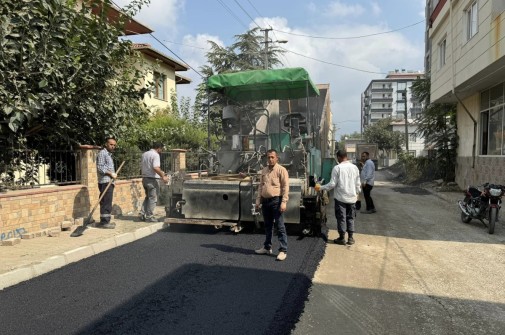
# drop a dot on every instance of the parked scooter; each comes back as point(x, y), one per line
point(482, 205)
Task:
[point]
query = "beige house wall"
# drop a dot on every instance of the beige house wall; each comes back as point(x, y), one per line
point(465, 58)
point(472, 65)
point(150, 66)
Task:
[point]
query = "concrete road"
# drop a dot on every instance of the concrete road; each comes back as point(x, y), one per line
point(415, 269)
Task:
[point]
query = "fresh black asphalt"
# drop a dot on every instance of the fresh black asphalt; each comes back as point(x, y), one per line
point(184, 280)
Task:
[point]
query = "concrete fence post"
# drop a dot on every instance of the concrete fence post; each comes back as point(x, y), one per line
point(178, 160)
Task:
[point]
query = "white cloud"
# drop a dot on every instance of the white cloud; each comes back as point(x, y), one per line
point(376, 9)
point(380, 54)
point(340, 9)
point(194, 50)
point(160, 15)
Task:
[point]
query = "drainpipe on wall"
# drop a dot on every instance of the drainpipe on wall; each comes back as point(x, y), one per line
point(474, 127)
point(453, 70)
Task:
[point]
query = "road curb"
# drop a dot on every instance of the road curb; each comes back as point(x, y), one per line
point(55, 262)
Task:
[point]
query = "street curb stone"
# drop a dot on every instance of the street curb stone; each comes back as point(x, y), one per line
point(16, 276)
point(104, 245)
point(78, 254)
point(124, 238)
point(48, 265)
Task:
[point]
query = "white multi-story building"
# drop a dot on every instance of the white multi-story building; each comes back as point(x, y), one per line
point(392, 97)
point(466, 61)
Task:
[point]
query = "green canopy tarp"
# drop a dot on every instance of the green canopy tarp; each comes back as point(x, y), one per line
point(278, 84)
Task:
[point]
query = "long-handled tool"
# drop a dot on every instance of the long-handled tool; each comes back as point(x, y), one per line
point(80, 230)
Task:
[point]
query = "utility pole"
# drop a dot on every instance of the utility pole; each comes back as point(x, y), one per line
point(266, 30)
point(406, 123)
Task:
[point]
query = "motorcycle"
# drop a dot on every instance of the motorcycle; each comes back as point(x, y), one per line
point(482, 205)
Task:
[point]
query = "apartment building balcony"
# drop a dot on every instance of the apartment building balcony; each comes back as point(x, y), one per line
point(381, 110)
point(382, 90)
point(378, 114)
point(381, 100)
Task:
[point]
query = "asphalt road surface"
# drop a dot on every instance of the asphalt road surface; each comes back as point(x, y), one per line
point(193, 280)
point(415, 269)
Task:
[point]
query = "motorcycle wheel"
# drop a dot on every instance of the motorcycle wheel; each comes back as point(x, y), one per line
point(466, 218)
point(493, 214)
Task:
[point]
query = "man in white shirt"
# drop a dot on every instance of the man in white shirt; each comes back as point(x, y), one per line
point(151, 175)
point(345, 180)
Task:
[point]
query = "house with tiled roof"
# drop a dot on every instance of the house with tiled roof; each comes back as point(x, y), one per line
point(161, 74)
point(160, 70)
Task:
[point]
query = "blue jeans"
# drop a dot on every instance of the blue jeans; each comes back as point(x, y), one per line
point(345, 214)
point(152, 191)
point(271, 213)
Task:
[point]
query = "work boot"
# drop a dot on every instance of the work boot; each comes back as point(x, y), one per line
point(151, 219)
point(263, 251)
point(110, 225)
point(340, 240)
point(350, 240)
point(282, 256)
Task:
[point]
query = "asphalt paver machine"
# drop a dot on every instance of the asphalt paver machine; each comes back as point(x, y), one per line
point(277, 109)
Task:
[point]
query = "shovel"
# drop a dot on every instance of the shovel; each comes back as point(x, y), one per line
point(89, 220)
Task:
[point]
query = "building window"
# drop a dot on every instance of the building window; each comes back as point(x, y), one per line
point(472, 22)
point(412, 153)
point(492, 121)
point(441, 47)
point(160, 86)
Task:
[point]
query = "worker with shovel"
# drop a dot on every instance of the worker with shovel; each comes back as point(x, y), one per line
point(106, 175)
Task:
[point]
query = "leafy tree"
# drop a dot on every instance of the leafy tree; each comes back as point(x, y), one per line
point(65, 77)
point(437, 125)
point(247, 53)
point(381, 133)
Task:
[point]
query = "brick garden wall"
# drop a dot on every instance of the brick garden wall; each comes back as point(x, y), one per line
point(47, 207)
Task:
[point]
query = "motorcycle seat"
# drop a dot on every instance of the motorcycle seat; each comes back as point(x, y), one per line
point(474, 192)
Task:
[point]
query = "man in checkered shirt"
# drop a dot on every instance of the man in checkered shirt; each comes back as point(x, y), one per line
point(106, 173)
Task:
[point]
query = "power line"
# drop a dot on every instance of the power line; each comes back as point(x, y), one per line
point(329, 63)
point(238, 4)
point(232, 13)
point(349, 37)
point(250, 3)
point(186, 45)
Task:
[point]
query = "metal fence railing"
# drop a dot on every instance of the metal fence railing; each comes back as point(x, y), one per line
point(25, 168)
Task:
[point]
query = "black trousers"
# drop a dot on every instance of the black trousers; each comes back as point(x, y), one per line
point(106, 203)
point(368, 199)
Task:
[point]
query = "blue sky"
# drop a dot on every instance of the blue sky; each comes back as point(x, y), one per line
point(323, 37)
